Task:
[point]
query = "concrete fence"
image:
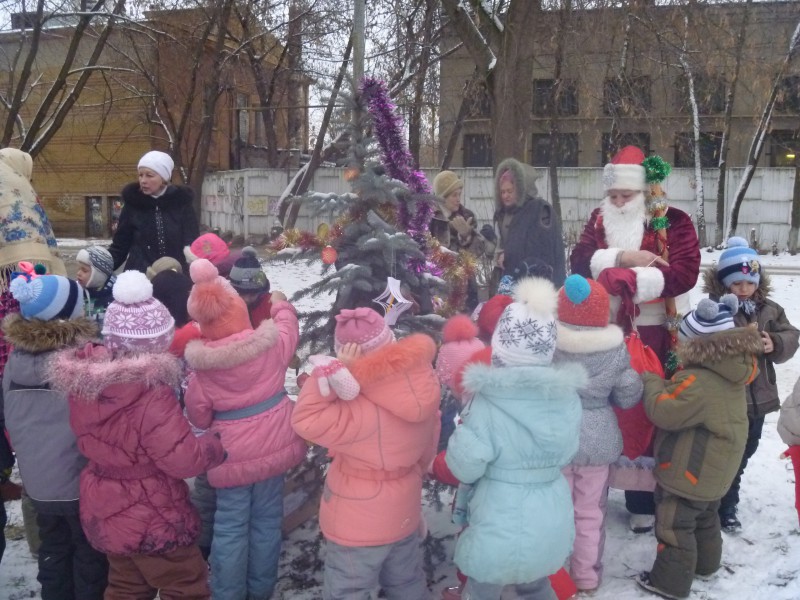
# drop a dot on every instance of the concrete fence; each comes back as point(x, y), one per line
point(246, 201)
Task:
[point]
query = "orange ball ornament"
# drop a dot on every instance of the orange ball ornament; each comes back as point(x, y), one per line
point(329, 255)
point(351, 173)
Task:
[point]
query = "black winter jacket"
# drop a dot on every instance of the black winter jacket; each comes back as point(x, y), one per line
point(150, 228)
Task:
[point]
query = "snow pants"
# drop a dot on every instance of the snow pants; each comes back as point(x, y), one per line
point(181, 573)
point(536, 590)
point(247, 540)
point(204, 499)
point(589, 486)
point(352, 572)
point(69, 568)
point(689, 542)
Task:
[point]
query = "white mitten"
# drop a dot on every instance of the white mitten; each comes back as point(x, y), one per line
point(332, 374)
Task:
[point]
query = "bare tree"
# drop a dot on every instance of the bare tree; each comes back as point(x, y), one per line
point(504, 58)
point(87, 33)
point(757, 144)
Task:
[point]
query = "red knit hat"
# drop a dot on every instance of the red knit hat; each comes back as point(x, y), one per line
point(490, 314)
point(214, 304)
point(362, 326)
point(583, 302)
point(459, 342)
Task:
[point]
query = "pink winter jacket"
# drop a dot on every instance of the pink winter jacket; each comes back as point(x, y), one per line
point(128, 423)
point(239, 372)
point(381, 443)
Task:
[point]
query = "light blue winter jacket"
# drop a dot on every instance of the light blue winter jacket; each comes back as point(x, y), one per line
point(521, 428)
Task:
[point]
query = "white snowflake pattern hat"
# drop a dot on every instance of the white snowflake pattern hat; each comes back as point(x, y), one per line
point(526, 332)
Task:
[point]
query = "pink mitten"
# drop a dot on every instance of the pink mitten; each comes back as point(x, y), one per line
point(332, 374)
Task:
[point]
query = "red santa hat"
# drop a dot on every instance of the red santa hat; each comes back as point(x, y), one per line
point(625, 171)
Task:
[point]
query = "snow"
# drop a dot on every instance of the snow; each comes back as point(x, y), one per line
point(761, 562)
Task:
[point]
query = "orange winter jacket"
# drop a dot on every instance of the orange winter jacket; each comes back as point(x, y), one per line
point(381, 443)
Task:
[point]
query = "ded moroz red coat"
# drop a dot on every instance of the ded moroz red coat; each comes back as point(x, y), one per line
point(382, 442)
point(129, 425)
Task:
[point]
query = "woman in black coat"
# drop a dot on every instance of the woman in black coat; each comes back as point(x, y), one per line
point(157, 218)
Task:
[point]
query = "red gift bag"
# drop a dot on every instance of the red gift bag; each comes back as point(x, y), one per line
point(637, 430)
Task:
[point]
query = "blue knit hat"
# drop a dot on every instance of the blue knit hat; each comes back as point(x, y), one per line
point(709, 317)
point(48, 297)
point(738, 262)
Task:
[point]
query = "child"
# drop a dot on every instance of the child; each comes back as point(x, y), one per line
point(789, 430)
point(701, 420)
point(519, 430)
point(172, 289)
point(236, 390)
point(739, 272)
point(212, 247)
point(50, 319)
point(96, 275)
point(123, 409)
point(249, 280)
point(586, 337)
point(459, 342)
point(376, 409)
point(165, 263)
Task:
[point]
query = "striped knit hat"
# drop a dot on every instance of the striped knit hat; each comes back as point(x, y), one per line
point(100, 261)
point(738, 262)
point(709, 317)
point(48, 297)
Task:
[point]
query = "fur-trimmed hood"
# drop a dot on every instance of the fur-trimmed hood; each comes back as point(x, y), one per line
point(232, 351)
point(715, 289)
point(399, 378)
point(586, 340)
point(711, 351)
point(88, 371)
point(503, 384)
point(36, 336)
point(525, 177)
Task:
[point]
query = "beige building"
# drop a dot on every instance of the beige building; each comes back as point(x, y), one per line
point(648, 98)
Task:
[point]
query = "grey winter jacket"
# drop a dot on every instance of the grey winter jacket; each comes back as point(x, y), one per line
point(769, 316)
point(602, 352)
point(37, 418)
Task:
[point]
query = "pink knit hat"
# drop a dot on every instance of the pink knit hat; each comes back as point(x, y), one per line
point(136, 321)
point(211, 247)
point(362, 326)
point(214, 304)
point(459, 342)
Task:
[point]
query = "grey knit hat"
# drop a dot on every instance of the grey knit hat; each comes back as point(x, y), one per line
point(247, 275)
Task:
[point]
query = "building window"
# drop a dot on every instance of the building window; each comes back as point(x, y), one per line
point(611, 147)
point(709, 149)
point(709, 92)
point(478, 99)
point(242, 105)
point(788, 99)
point(477, 150)
point(544, 98)
point(566, 150)
point(785, 147)
point(629, 96)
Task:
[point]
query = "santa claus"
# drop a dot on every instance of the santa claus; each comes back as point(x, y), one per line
point(649, 258)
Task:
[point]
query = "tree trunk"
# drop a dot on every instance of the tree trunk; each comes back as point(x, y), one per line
point(795, 223)
point(463, 111)
point(757, 145)
point(417, 105)
point(726, 127)
point(299, 185)
point(554, 149)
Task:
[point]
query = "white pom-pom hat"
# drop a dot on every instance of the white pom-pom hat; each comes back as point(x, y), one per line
point(136, 321)
point(526, 332)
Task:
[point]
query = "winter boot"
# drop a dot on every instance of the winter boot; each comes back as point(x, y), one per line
point(644, 581)
point(729, 523)
point(642, 523)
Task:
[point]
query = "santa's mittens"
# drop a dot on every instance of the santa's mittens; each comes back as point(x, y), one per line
point(333, 375)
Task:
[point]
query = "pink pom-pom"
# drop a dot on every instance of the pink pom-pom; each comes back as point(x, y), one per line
point(459, 329)
point(202, 270)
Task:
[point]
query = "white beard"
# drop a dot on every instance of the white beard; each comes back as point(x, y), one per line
point(624, 226)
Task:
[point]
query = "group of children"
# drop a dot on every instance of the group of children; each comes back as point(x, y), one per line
point(121, 387)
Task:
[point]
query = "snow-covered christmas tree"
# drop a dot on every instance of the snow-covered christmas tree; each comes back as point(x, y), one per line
point(378, 251)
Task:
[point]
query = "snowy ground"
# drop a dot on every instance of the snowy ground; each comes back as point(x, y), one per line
point(763, 562)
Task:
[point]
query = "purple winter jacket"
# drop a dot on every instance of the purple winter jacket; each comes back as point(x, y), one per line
point(128, 422)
